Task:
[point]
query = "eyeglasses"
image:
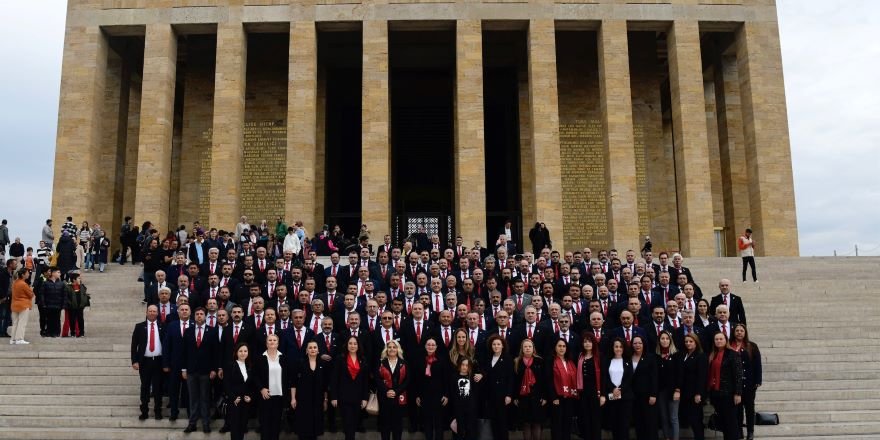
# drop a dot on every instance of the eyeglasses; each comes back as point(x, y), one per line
point(388, 318)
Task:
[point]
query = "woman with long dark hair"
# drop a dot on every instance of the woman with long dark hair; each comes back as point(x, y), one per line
point(644, 387)
point(465, 400)
point(691, 365)
point(752, 377)
point(725, 383)
point(668, 394)
point(308, 396)
point(589, 385)
point(431, 390)
point(561, 391)
point(498, 368)
point(617, 387)
point(238, 384)
point(530, 385)
point(350, 387)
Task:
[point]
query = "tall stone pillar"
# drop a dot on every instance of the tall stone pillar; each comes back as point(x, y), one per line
point(691, 140)
point(153, 191)
point(544, 106)
point(302, 87)
point(227, 140)
point(768, 153)
point(375, 140)
point(734, 176)
point(470, 172)
point(617, 116)
point(80, 118)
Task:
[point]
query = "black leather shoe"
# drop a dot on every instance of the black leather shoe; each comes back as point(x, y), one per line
point(207, 430)
point(158, 416)
point(143, 416)
point(224, 429)
point(750, 436)
point(173, 418)
point(189, 429)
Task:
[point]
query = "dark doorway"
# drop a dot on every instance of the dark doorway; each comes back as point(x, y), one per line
point(422, 76)
point(339, 77)
point(504, 55)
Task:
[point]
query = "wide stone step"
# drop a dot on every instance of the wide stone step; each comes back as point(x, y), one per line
point(70, 389)
point(819, 406)
point(820, 375)
point(80, 400)
point(76, 371)
point(36, 352)
point(84, 411)
point(829, 416)
point(819, 429)
point(840, 384)
point(869, 358)
point(70, 380)
point(68, 362)
point(845, 366)
point(804, 395)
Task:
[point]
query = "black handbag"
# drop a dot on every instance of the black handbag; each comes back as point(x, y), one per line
point(222, 407)
point(766, 418)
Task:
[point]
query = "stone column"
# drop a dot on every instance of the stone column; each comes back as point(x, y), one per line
point(544, 106)
point(617, 116)
point(768, 153)
point(469, 156)
point(375, 140)
point(302, 87)
point(80, 118)
point(227, 140)
point(734, 177)
point(691, 140)
point(152, 195)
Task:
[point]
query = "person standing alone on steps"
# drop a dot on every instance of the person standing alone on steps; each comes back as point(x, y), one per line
point(746, 246)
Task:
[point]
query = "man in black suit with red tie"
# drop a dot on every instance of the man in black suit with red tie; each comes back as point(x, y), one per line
point(733, 302)
point(212, 264)
point(296, 337)
point(236, 332)
point(385, 246)
point(656, 325)
point(200, 359)
point(146, 359)
point(627, 330)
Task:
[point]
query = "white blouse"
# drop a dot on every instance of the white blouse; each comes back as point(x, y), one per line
point(243, 370)
point(275, 377)
point(615, 370)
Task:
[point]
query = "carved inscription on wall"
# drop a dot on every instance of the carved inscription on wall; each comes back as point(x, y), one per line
point(641, 179)
point(205, 175)
point(263, 166)
point(582, 150)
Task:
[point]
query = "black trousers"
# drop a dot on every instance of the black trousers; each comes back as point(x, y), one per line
point(749, 262)
point(391, 418)
point(618, 413)
point(150, 372)
point(44, 321)
point(53, 322)
point(75, 319)
point(645, 416)
point(691, 414)
point(498, 419)
point(177, 393)
point(270, 417)
point(434, 422)
point(351, 418)
point(560, 419)
point(237, 419)
point(726, 411)
point(589, 416)
point(746, 409)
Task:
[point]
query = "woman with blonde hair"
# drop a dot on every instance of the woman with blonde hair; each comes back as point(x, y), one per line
point(668, 395)
point(392, 380)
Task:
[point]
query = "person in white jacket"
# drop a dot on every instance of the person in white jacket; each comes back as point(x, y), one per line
point(292, 242)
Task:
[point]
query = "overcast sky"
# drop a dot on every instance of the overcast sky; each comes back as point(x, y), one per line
point(831, 58)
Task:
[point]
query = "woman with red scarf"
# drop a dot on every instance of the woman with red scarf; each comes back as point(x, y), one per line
point(392, 380)
point(725, 384)
point(617, 388)
point(431, 390)
point(349, 386)
point(562, 391)
point(530, 385)
point(589, 386)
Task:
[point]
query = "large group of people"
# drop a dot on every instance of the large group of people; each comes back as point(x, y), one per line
point(435, 338)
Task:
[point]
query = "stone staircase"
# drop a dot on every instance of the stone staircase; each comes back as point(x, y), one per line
point(814, 319)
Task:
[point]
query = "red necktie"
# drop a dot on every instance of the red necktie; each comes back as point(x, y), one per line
point(271, 289)
point(299, 341)
point(213, 292)
point(211, 322)
point(518, 302)
point(163, 313)
point(199, 337)
point(259, 320)
point(387, 335)
point(396, 322)
point(446, 336)
point(418, 332)
point(437, 303)
point(409, 307)
point(725, 299)
point(530, 331)
point(262, 265)
point(659, 329)
point(724, 329)
point(556, 326)
point(315, 324)
point(598, 334)
point(675, 323)
point(235, 335)
point(689, 304)
point(628, 337)
point(270, 328)
point(212, 267)
point(605, 307)
point(474, 338)
point(333, 272)
point(503, 336)
point(152, 336)
point(648, 298)
point(327, 339)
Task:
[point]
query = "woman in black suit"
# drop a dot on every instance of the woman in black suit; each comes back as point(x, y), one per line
point(530, 397)
point(644, 386)
point(308, 395)
point(499, 386)
point(725, 384)
point(561, 391)
point(690, 381)
point(589, 386)
point(238, 384)
point(702, 319)
point(431, 391)
point(272, 374)
point(668, 396)
point(617, 387)
point(392, 381)
point(350, 387)
point(752, 377)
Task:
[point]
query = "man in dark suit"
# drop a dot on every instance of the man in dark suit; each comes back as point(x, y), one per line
point(384, 333)
point(653, 327)
point(172, 359)
point(296, 337)
point(236, 332)
point(627, 330)
point(159, 282)
point(354, 327)
point(664, 289)
point(261, 265)
point(530, 329)
point(310, 270)
point(570, 337)
point(722, 324)
point(199, 362)
point(733, 302)
point(146, 359)
point(335, 270)
point(270, 327)
point(687, 327)
point(212, 265)
point(385, 246)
